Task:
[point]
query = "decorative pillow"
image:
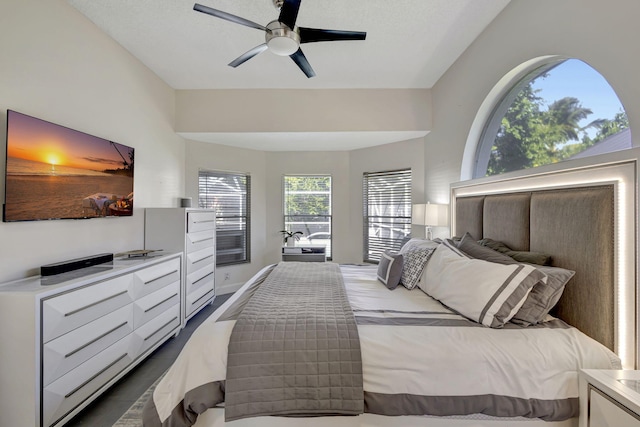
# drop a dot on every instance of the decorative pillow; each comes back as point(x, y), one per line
point(414, 262)
point(544, 296)
point(475, 250)
point(417, 242)
point(483, 291)
point(520, 256)
point(390, 269)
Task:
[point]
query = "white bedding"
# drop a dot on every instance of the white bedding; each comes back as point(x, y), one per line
point(412, 345)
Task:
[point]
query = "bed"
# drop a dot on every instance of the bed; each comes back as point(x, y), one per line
point(424, 363)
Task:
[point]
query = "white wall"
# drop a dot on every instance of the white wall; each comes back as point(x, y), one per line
point(603, 34)
point(297, 110)
point(56, 65)
point(267, 170)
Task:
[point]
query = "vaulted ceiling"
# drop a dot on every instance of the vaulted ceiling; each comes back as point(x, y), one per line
point(409, 44)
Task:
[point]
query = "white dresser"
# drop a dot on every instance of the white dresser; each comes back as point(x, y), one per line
point(67, 338)
point(609, 398)
point(192, 232)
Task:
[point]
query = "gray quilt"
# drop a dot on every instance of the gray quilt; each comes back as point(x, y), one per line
point(295, 348)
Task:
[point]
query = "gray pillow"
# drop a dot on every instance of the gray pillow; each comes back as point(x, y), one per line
point(520, 256)
point(544, 296)
point(472, 248)
point(390, 269)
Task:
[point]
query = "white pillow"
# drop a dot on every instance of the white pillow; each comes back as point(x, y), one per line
point(483, 291)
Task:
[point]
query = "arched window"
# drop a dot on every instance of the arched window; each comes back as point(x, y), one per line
point(559, 111)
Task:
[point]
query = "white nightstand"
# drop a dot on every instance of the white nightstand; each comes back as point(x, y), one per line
point(609, 398)
point(305, 253)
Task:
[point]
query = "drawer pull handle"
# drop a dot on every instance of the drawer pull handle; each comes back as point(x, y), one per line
point(103, 370)
point(203, 221)
point(162, 327)
point(201, 259)
point(94, 340)
point(203, 277)
point(160, 303)
point(203, 296)
point(161, 277)
point(71, 313)
point(202, 240)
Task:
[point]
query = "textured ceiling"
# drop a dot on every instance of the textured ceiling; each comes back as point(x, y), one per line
point(409, 44)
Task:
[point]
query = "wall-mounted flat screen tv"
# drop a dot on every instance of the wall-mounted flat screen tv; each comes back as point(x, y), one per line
point(53, 172)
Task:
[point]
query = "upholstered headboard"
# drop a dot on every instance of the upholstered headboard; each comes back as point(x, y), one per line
point(575, 226)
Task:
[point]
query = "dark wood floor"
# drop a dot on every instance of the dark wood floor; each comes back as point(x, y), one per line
point(109, 407)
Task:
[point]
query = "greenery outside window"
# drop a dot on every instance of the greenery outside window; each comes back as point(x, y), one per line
point(387, 211)
point(307, 208)
point(562, 110)
point(229, 194)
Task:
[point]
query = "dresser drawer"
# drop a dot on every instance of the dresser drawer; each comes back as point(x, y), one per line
point(202, 277)
point(198, 298)
point(152, 305)
point(66, 312)
point(605, 412)
point(200, 221)
point(201, 259)
point(71, 349)
point(155, 330)
point(200, 240)
point(64, 394)
point(158, 276)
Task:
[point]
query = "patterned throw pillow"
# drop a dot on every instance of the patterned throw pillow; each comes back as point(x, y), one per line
point(415, 260)
point(390, 269)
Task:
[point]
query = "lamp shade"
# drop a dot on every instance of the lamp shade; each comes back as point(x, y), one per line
point(430, 214)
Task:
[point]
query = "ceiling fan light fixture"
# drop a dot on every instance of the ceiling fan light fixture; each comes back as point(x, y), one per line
point(281, 39)
point(282, 46)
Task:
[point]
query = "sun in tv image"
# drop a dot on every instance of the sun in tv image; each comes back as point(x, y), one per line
point(53, 172)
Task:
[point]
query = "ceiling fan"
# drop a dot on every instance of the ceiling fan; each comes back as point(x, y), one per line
point(282, 37)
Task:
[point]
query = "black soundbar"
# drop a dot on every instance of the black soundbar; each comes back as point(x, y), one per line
point(74, 264)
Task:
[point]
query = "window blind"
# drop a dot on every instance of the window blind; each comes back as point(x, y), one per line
point(229, 194)
point(387, 211)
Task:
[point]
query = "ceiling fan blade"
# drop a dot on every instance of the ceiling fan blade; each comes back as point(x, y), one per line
point(227, 16)
point(299, 58)
point(310, 35)
point(248, 55)
point(289, 13)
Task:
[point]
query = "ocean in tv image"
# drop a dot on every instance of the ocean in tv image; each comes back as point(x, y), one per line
point(53, 172)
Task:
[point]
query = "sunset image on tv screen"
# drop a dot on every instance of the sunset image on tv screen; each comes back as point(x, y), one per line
point(53, 172)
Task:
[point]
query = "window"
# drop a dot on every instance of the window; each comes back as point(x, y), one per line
point(307, 208)
point(387, 211)
point(562, 110)
point(229, 194)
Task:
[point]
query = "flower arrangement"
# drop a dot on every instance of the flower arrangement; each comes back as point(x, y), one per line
point(294, 235)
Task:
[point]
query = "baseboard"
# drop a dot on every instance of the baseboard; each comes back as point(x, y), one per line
point(227, 288)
